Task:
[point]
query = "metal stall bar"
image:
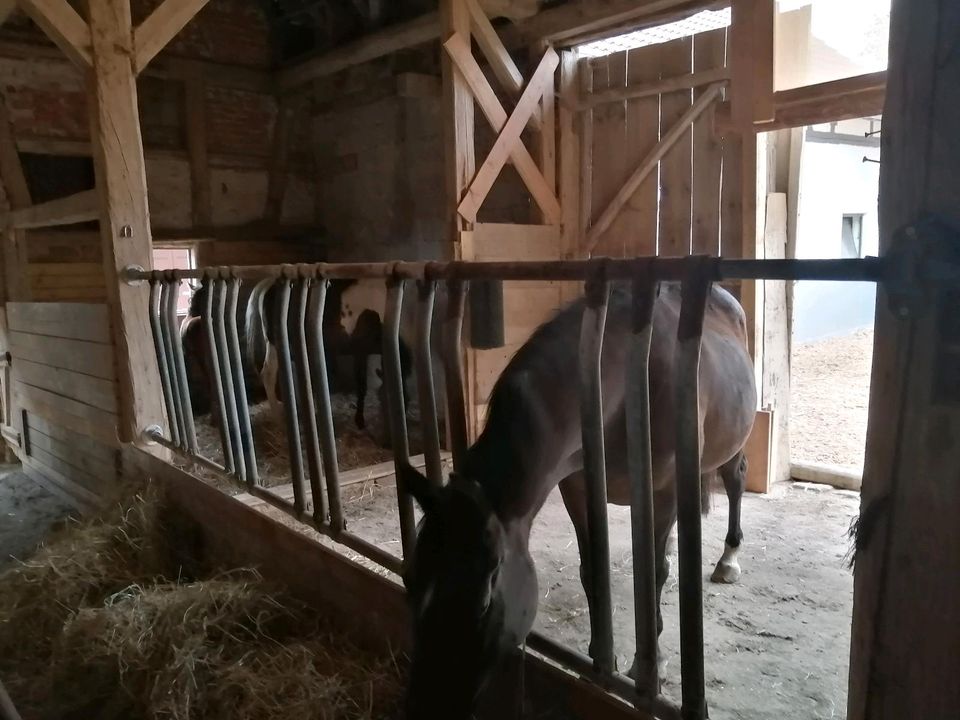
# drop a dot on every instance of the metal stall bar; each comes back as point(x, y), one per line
point(695, 289)
point(321, 384)
point(226, 375)
point(189, 432)
point(640, 469)
point(219, 376)
point(453, 372)
point(160, 346)
point(308, 406)
point(595, 475)
point(289, 393)
point(425, 385)
point(393, 377)
point(240, 385)
point(177, 423)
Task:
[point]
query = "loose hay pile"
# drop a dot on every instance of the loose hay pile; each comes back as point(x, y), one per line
point(105, 622)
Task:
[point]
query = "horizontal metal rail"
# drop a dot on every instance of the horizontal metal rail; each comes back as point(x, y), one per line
point(870, 269)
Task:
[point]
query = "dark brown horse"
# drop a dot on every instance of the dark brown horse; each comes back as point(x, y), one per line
point(471, 580)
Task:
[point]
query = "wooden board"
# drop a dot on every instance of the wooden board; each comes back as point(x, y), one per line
point(82, 356)
point(731, 197)
point(97, 481)
point(708, 52)
point(49, 406)
point(675, 177)
point(504, 241)
point(93, 415)
point(63, 246)
point(87, 389)
point(78, 321)
point(61, 486)
point(85, 443)
point(610, 139)
point(757, 451)
point(643, 132)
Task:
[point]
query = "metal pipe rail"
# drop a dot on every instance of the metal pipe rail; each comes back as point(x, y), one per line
point(299, 297)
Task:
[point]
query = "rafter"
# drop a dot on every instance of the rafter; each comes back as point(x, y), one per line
point(155, 33)
point(63, 25)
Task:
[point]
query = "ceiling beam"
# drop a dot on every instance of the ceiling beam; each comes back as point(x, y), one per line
point(64, 26)
point(162, 25)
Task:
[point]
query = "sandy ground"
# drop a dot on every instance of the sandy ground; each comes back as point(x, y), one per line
point(829, 394)
point(776, 644)
point(27, 513)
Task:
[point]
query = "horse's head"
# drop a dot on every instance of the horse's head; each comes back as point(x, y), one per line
point(453, 583)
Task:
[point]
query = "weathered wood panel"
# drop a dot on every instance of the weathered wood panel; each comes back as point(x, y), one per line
point(675, 169)
point(82, 356)
point(709, 51)
point(643, 132)
point(78, 321)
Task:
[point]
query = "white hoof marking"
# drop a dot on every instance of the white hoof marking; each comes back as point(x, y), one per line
point(728, 569)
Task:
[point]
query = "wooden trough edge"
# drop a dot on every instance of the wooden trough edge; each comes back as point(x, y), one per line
point(824, 474)
point(372, 605)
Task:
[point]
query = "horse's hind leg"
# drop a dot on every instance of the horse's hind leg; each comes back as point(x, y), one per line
point(734, 474)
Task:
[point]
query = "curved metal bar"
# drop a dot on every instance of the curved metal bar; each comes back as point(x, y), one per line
point(239, 384)
point(226, 374)
point(217, 371)
point(189, 433)
point(696, 287)
point(160, 346)
point(595, 474)
point(309, 411)
point(393, 377)
point(290, 396)
point(426, 390)
point(177, 420)
point(640, 469)
point(453, 372)
point(321, 387)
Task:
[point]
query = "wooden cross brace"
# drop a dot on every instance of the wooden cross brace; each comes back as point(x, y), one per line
point(508, 128)
point(71, 33)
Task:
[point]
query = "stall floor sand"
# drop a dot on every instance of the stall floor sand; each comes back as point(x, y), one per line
point(27, 513)
point(776, 643)
point(829, 394)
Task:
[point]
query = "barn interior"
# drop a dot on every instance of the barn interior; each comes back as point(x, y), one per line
point(227, 141)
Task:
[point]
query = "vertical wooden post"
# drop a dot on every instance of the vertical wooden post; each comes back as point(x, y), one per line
point(124, 220)
point(570, 129)
point(906, 616)
point(195, 107)
point(460, 163)
point(287, 112)
point(546, 139)
point(15, 286)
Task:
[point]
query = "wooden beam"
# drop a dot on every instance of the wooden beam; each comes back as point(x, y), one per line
point(277, 181)
point(906, 620)
point(751, 61)
point(63, 25)
point(666, 85)
point(160, 27)
point(76, 208)
point(125, 218)
point(507, 141)
point(571, 131)
point(852, 97)
point(649, 163)
point(370, 47)
point(11, 170)
point(458, 117)
point(502, 65)
point(195, 111)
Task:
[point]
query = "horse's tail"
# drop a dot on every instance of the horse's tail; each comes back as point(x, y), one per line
point(707, 483)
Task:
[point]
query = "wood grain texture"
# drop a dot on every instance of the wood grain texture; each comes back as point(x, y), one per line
point(609, 157)
point(709, 50)
point(89, 358)
point(64, 26)
point(643, 132)
point(125, 218)
point(675, 171)
point(160, 27)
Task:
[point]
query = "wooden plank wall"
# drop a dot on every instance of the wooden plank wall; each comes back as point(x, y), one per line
point(64, 379)
point(685, 216)
point(526, 305)
point(65, 266)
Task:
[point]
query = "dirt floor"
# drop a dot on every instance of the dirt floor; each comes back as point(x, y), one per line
point(829, 394)
point(776, 644)
point(27, 513)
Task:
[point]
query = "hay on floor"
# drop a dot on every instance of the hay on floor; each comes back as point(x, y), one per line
point(105, 621)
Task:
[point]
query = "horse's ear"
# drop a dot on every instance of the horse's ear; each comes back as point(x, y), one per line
point(417, 484)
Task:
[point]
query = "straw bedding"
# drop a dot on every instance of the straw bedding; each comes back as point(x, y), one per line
point(111, 619)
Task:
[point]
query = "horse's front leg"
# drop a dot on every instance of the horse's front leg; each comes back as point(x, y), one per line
point(268, 376)
point(573, 490)
point(734, 474)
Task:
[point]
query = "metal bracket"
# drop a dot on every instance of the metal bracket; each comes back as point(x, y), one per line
point(128, 275)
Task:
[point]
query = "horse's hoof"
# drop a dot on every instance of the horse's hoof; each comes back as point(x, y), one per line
point(727, 569)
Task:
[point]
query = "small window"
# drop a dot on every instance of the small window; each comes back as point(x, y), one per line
point(176, 258)
point(851, 236)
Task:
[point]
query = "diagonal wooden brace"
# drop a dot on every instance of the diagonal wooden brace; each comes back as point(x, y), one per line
point(508, 144)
